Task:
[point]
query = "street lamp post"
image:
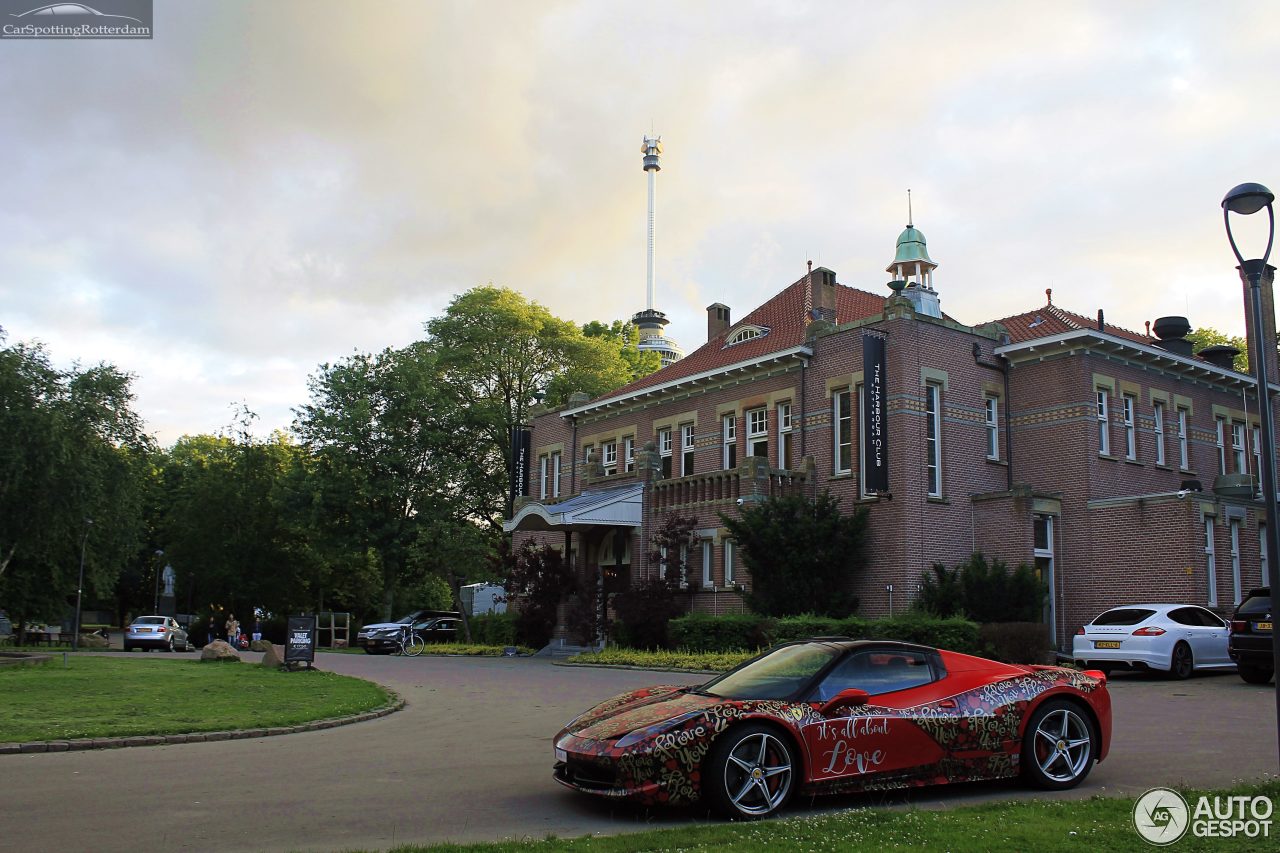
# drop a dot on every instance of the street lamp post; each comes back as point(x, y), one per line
point(155, 607)
point(75, 637)
point(1247, 199)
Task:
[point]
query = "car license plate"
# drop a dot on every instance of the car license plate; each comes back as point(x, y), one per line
point(1106, 644)
point(1262, 626)
point(561, 755)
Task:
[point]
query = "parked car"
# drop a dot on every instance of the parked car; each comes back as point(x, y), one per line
point(156, 632)
point(1175, 638)
point(440, 629)
point(1250, 642)
point(828, 715)
point(380, 638)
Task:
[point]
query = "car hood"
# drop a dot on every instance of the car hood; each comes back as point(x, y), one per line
point(382, 626)
point(639, 709)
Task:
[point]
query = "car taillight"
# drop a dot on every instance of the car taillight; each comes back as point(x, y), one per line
point(1148, 632)
point(1239, 626)
point(1080, 631)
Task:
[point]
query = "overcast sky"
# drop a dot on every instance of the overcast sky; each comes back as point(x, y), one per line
point(267, 186)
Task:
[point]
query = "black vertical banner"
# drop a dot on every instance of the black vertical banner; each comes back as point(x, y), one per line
point(875, 424)
point(521, 437)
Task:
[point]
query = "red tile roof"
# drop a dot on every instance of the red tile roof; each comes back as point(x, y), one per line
point(1052, 320)
point(784, 317)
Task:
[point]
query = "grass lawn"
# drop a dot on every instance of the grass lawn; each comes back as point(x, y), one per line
point(1095, 825)
point(115, 696)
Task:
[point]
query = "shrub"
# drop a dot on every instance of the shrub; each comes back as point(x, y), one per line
point(644, 611)
point(494, 629)
point(807, 625)
point(1015, 642)
point(699, 632)
point(801, 553)
point(985, 592)
point(954, 633)
point(539, 579)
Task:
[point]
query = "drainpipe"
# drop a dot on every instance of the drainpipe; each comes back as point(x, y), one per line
point(1003, 369)
point(804, 373)
point(573, 476)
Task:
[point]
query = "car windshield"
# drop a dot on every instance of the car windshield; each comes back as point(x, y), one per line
point(1124, 616)
point(1257, 605)
point(408, 620)
point(149, 620)
point(776, 675)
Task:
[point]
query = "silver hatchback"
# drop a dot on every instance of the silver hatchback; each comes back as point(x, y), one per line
point(156, 632)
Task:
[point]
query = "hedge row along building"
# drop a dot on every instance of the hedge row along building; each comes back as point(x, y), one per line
point(1118, 464)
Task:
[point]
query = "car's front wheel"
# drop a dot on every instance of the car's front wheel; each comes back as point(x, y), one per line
point(1058, 747)
point(1182, 664)
point(1254, 674)
point(749, 773)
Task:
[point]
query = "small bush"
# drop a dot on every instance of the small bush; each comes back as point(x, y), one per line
point(701, 633)
point(985, 592)
point(954, 634)
point(494, 629)
point(1015, 642)
point(807, 625)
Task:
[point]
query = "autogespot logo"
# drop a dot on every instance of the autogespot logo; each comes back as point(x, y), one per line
point(1161, 816)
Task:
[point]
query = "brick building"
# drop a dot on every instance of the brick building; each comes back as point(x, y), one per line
point(1118, 464)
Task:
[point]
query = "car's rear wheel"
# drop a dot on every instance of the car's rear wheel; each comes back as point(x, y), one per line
point(749, 773)
point(1058, 748)
point(1254, 674)
point(1182, 664)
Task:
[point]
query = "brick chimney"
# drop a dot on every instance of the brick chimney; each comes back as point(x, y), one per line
point(822, 294)
point(1267, 292)
point(717, 320)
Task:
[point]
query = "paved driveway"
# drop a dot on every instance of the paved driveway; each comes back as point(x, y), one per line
point(469, 759)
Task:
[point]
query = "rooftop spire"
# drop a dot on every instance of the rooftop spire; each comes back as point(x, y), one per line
point(910, 218)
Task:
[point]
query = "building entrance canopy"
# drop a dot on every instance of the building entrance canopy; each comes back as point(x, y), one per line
point(616, 507)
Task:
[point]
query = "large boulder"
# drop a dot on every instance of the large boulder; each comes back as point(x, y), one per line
point(259, 645)
point(218, 650)
point(94, 641)
point(273, 656)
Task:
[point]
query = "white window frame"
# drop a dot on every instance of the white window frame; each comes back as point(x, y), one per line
point(586, 452)
point(729, 441)
point(785, 427)
point(727, 547)
point(933, 439)
point(1104, 423)
point(1238, 453)
point(684, 566)
point(609, 456)
point(1220, 429)
point(991, 408)
point(1257, 461)
point(1184, 439)
point(842, 421)
point(1211, 574)
point(664, 450)
point(708, 580)
point(686, 449)
point(1129, 405)
point(1047, 554)
point(1157, 409)
point(757, 432)
point(1234, 526)
point(543, 462)
point(555, 475)
point(628, 453)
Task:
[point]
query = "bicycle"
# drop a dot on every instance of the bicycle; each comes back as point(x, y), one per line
point(410, 643)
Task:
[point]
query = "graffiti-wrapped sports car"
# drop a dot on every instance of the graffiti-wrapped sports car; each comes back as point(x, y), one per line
point(831, 715)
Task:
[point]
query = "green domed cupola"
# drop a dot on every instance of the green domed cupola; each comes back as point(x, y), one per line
point(912, 264)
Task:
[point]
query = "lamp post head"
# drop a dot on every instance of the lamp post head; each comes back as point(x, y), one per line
point(1247, 198)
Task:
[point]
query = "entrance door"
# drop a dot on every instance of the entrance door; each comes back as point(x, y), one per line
point(1043, 528)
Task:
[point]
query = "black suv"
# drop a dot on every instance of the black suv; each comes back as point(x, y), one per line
point(1250, 642)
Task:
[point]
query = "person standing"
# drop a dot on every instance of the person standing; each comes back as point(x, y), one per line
point(233, 630)
point(213, 627)
point(257, 628)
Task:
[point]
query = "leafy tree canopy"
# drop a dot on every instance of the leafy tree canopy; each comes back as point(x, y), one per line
point(802, 554)
point(1206, 337)
point(627, 338)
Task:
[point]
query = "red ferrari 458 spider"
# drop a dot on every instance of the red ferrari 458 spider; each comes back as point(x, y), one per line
point(831, 715)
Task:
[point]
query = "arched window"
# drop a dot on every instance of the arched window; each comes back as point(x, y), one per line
point(746, 333)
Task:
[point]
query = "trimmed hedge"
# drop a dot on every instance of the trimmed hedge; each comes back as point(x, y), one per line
point(700, 633)
point(491, 629)
point(1016, 642)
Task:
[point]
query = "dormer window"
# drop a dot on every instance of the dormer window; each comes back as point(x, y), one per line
point(746, 333)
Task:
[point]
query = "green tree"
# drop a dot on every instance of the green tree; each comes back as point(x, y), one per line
point(71, 450)
point(499, 353)
point(394, 456)
point(1207, 337)
point(801, 553)
point(626, 338)
point(539, 578)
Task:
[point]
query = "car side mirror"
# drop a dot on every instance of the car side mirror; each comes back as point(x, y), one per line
point(850, 697)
